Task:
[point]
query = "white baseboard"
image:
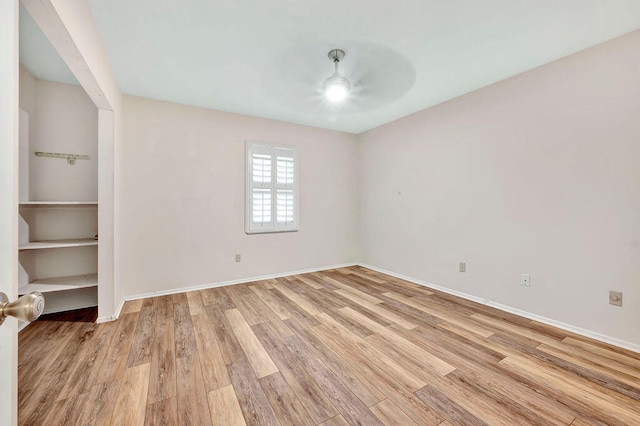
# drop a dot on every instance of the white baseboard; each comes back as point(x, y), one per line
point(564, 326)
point(100, 320)
point(116, 315)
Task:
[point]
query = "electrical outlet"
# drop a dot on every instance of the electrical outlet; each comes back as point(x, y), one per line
point(463, 267)
point(615, 298)
point(525, 280)
point(238, 257)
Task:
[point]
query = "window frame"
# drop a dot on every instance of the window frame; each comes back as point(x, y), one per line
point(272, 151)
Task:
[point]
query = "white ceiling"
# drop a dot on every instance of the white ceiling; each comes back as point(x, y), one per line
point(267, 58)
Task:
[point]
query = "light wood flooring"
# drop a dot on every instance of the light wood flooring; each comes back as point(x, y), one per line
point(340, 347)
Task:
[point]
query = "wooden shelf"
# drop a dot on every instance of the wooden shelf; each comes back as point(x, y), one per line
point(48, 285)
point(59, 204)
point(39, 245)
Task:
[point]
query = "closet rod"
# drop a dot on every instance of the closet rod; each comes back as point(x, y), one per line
point(71, 158)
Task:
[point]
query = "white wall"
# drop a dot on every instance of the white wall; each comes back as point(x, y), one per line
point(28, 96)
point(66, 122)
point(182, 199)
point(537, 174)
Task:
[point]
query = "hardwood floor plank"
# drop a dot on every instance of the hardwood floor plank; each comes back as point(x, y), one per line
point(353, 290)
point(409, 313)
point(185, 339)
point(390, 415)
point(371, 325)
point(600, 356)
point(258, 358)
point(223, 298)
point(34, 408)
point(308, 280)
point(131, 403)
point(327, 300)
point(164, 306)
point(574, 392)
point(515, 329)
point(66, 411)
point(227, 340)
point(251, 398)
point(90, 360)
point(272, 303)
point(292, 284)
point(131, 306)
point(620, 355)
point(590, 376)
point(376, 277)
point(632, 379)
point(448, 408)
point(309, 393)
point(270, 317)
point(494, 406)
point(585, 422)
point(162, 382)
point(318, 277)
point(193, 407)
point(351, 408)
point(368, 351)
point(335, 421)
point(296, 298)
point(448, 316)
point(378, 310)
point(485, 373)
point(208, 296)
point(385, 286)
point(140, 352)
point(162, 413)
point(389, 383)
point(179, 298)
point(420, 356)
point(214, 369)
point(267, 284)
point(366, 391)
point(288, 408)
point(296, 311)
point(99, 404)
point(224, 407)
point(196, 305)
point(348, 322)
point(39, 345)
point(469, 345)
point(114, 363)
point(246, 304)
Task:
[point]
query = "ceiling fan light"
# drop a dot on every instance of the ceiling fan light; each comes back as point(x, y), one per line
point(336, 88)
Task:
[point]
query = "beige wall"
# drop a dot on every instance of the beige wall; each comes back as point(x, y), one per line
point(181, 199)
point(537, 174)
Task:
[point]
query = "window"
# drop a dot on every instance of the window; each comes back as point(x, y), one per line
point(272, 188)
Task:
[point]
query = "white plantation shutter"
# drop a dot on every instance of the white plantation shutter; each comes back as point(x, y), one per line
point(284, 206)
point(261, 206)
point(272, 188)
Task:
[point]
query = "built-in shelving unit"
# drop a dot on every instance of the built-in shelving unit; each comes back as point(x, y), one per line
point(58, 245)
point(36, 204)
point(50, 285)
point(75, 242)
point(54, 258)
